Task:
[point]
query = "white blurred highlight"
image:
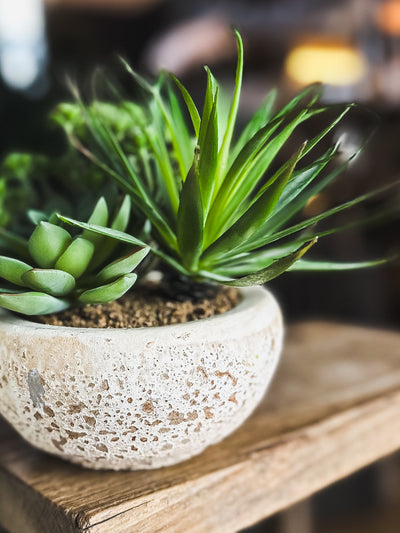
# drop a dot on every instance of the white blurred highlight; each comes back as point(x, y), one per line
point(22, 42)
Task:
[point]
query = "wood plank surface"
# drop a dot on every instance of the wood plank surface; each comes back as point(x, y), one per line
point(332, 409)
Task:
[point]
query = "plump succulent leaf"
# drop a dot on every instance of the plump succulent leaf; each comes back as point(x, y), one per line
point(49, 280)
point(121, 219)
point(12, 270)
point(77, 257)
point(121, 266)
point(32, 303)
point(119, 223)
point(99, 217)
point(109, 292)
point(68, 279)
point(36, 216)
point(47, 243)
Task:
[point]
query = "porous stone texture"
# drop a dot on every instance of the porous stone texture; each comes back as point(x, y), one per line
point(138, 398)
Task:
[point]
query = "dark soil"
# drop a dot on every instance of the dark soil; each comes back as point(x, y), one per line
point(150, 306)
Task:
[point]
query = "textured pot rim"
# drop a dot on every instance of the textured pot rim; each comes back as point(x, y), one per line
point(250, 296)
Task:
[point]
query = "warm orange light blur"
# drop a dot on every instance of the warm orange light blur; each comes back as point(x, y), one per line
point(331, 63)
point(388, 17)
point(316, 205)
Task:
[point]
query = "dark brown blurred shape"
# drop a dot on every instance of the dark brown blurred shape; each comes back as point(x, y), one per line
point(111, 5)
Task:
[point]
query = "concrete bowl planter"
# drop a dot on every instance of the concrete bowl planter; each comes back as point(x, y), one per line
point(138, 398)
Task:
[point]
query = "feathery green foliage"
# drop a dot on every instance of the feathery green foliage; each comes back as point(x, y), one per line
point(61, 271)
point(37, 184)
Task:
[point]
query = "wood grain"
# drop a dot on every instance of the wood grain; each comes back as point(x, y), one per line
point(333, 408)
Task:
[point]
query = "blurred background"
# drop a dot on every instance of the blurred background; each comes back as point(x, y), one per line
point(353, 46)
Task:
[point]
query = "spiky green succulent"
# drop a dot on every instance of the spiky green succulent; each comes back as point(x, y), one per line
point(220, 209)
point(61, 271)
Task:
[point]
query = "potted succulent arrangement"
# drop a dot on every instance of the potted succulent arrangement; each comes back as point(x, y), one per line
point(209, 209)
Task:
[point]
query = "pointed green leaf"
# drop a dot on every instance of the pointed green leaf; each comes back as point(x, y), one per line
point(36, 216)
point(173, 120)
point(110, 292)
point(313, 142)
point(99, 217)
point(245, 174)
point(120, 223)
point(244, 160)
point(184, 142)
point(47, 243)
point(313, 92)
point(99, 214)
point(108, 232)
point(12, 270)
point(272, 271)
point(255, 216)
point(257, 122)
point(121, 219)
point(379, 216)
point(329, 266)
point(317, 218)
point(33, 303)
point(292, 199)
point(160, 152)
point(286, 169)
point(53, 219)
point(138, 78)
point(175, 264)
point(208, 158)
point(226, 142)
point(51, 281)
point(243, 264)
point(209, 102)
point(161, 121)
point(190, 219)
point(76, 258)
point(122, 266)
point(236, 188)
point(151, 211)
point(194, 114)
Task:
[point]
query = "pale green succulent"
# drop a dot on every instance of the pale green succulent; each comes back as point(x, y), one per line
point(61, 271)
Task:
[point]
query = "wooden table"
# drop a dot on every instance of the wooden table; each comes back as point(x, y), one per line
point(334, 407)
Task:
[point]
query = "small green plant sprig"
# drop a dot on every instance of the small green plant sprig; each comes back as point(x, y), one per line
point(68, 271)
point(220, 209)
point(65, 181)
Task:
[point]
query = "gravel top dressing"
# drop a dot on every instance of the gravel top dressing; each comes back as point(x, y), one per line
point(148, 306)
